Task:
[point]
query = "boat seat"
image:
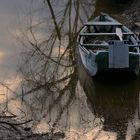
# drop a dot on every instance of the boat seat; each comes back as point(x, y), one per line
point(102, 34)
point(103, 24)
point(104, 45)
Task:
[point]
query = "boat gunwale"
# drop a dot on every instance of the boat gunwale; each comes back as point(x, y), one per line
point(87, 53)
point(127, 32)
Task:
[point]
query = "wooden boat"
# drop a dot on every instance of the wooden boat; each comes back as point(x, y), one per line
point(106, 44)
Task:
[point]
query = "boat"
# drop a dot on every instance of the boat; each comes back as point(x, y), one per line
point(105, 44)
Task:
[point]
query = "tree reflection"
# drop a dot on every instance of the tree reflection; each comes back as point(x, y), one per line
point(49, 70)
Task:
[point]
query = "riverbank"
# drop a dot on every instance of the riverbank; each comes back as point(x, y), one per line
point(132, 14)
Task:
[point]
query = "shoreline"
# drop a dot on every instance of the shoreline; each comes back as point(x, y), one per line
point(132, 15)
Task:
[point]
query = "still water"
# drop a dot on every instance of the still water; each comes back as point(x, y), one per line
point(104, 107)
point(114, 97)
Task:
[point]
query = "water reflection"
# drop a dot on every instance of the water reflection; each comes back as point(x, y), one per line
point(106, 105)
point(113, 97)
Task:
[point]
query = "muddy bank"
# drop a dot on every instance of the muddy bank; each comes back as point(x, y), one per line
point(132, 13)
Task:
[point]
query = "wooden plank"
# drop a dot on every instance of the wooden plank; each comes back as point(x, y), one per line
point(105, 45)
point(118, 56)
point(137, 33)
point(103, 23)
point(137, 24)
point(98, 34)
point(93, 45)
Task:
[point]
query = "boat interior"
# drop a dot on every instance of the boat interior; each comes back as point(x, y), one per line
point(101, 33)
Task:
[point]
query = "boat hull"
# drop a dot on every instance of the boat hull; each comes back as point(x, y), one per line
point(95, 63)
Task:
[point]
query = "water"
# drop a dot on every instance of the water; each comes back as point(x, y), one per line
point(113, 97)
point(102, 107)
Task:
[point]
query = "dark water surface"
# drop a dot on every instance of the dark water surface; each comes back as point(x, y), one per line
point(113, 96)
